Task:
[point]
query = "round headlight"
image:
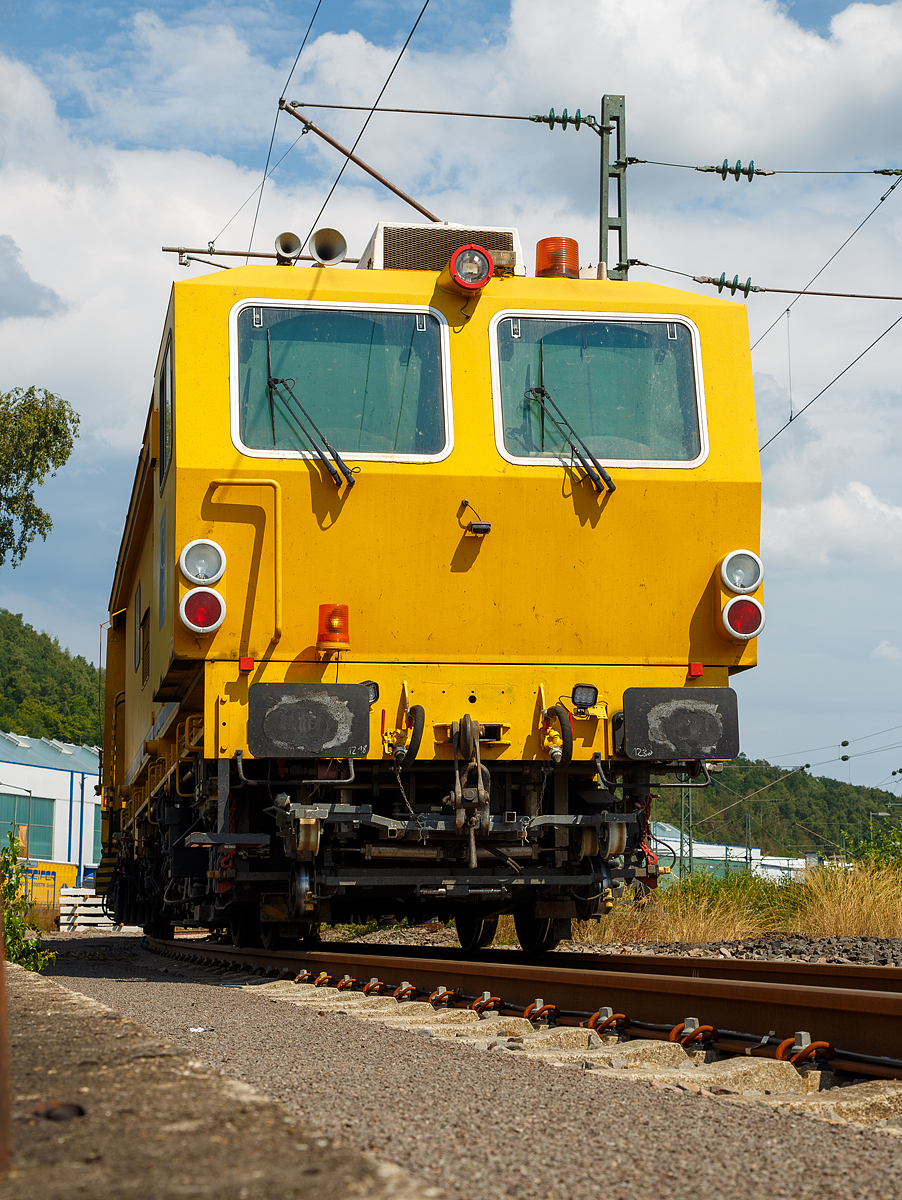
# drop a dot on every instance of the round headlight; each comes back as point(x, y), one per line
point(202, 610)
point(743, 618)
point(471, 267)
point(742, 571)
point(202, 561)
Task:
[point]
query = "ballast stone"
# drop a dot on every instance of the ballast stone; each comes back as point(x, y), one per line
point(647, 1051)
point(567, 1038)
point(750, 1074)
point(776, 1084)
point(860, 1103)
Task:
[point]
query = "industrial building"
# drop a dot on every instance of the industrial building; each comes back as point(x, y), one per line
point(47, 800)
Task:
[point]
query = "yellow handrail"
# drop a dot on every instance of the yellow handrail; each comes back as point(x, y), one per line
point(277, 536)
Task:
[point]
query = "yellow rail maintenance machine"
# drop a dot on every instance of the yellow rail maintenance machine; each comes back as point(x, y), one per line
point(430, 568)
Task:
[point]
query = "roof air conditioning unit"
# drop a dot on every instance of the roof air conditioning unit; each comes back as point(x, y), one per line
point(408, 247)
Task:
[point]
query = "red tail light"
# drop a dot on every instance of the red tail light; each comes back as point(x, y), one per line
point(202, 610)
point(743, 617)
point(332, 632)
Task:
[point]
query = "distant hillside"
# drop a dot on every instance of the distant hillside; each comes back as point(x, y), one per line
point(44, 690)
point(801, 813)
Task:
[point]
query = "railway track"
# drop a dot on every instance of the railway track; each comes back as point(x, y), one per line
point(849, 1016)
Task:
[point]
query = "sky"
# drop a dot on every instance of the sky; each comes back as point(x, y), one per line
point(127, 126)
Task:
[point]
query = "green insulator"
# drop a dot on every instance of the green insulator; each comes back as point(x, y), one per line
point(722, 281)
point(551, 119)
point(734, 285)
point(564, 120)
point(737, 170)
point(724, 170)
point(747, 288)
point(576, 121)
point(750, 171)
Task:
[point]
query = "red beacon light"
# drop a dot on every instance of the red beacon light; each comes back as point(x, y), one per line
point(743, 618)
point(332, 629)
point(202, 610)
point(468, 271)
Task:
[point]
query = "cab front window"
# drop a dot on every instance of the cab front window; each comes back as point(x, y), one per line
point(371, 381)
point(627, 387)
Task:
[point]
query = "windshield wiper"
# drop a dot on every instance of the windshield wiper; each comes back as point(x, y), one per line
point(274, 385)
point(581, 451)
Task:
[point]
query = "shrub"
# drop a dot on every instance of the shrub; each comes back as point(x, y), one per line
point(20, 948)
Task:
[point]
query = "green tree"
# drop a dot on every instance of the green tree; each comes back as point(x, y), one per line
point(21, 949)
point(44, 690)
point(791, 811)
point(37, 432)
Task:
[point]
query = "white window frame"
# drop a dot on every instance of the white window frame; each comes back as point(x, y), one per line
point(340, 306)
point(623, 318)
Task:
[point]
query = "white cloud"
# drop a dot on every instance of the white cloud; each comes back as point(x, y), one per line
point(851, 523)
point(20, 295)
point(888, 652)
point(173, 125)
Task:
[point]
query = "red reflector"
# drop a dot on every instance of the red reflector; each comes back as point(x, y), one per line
point(245, 664)
point(744, 617)
point(696, 669)
point(203, 609)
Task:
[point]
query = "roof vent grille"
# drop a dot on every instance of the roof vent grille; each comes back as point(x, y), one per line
point(409, 247)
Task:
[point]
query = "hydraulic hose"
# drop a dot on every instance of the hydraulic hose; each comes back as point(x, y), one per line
point(563, 719)
point(406, 754)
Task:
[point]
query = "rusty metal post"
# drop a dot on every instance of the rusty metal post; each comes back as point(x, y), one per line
point(6, 1134)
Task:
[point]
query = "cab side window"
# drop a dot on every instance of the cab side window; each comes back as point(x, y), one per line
point(165, 404)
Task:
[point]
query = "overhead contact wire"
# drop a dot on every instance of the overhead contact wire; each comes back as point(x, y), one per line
point(419, 112)
point(365, 124)
point(888, 192)
point(273, 136)
point(831, 383)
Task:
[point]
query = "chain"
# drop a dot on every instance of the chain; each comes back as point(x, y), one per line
point(410, 807)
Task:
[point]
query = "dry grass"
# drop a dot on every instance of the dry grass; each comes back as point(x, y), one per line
point(863, 901)
point(43, 918)
point(506, 935)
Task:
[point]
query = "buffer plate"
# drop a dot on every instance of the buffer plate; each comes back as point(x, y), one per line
point(308, 720)
point(664, 724)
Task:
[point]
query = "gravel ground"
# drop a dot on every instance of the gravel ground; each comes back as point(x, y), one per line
point(97, 1102)
point(776, 947)
point(477, 1125)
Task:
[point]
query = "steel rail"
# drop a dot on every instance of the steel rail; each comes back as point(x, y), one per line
point(871, 978)
point(862, 1023)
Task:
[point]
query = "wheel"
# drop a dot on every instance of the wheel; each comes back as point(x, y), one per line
point(475, 933)
point(120, 901)
point(243, 930)
point(159, 925)
point(535, 934)
point(270, 936)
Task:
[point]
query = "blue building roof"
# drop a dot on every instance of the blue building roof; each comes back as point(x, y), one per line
point(47, 753)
